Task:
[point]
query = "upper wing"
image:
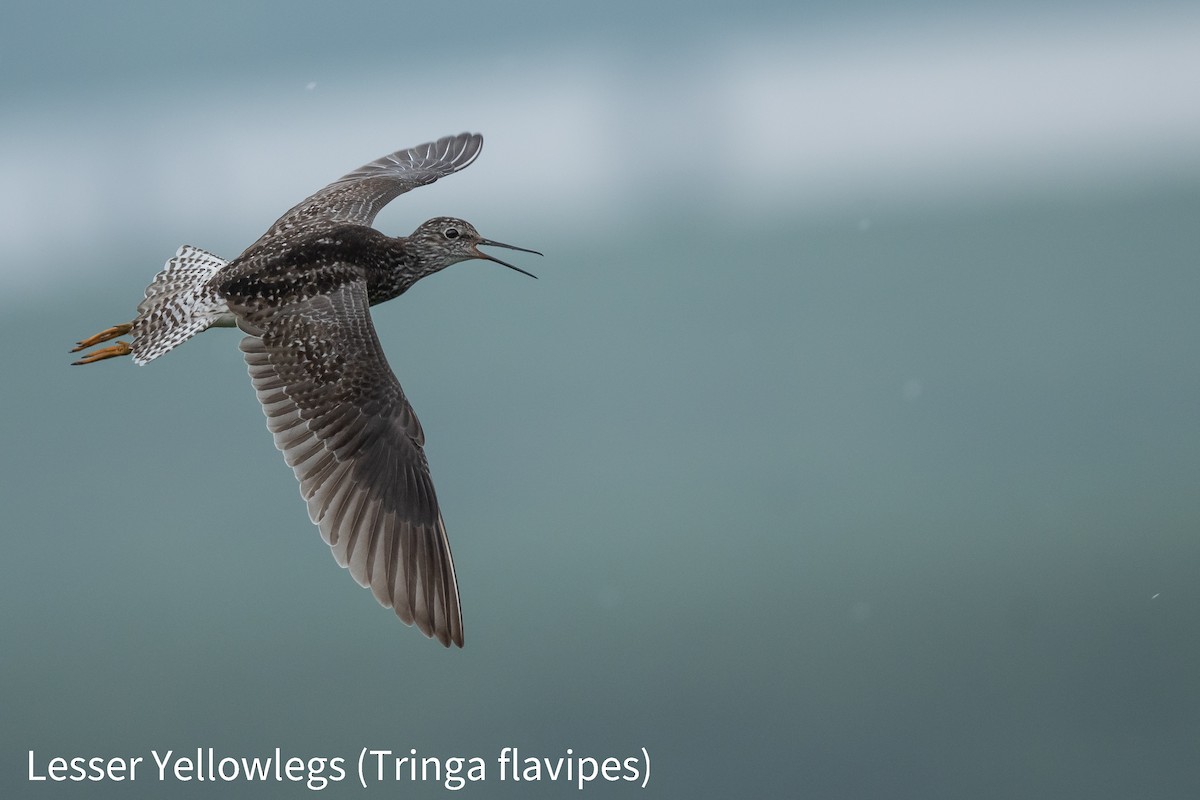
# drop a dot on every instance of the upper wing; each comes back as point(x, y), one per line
point(359, 196)
point(338, 414)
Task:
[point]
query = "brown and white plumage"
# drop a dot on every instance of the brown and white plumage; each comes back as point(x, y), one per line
point(178, 304)
point(302, 295)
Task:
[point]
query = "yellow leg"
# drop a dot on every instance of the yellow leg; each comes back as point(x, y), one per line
point(112, 351)
point(104, 336)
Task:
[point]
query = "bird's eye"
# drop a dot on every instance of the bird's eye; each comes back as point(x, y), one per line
point(450, 233)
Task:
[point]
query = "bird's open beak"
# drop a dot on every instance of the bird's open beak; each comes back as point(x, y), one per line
point(486, 257)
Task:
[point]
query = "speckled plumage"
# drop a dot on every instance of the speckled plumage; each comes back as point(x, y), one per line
point(302, 295)
point(179, 303)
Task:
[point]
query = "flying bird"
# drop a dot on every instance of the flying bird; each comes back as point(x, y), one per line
point(302, 295)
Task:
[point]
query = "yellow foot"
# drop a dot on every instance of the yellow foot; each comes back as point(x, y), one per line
point(104, 336)
point(112, 351)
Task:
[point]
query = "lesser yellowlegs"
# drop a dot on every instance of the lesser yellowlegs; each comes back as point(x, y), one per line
point(301, 294)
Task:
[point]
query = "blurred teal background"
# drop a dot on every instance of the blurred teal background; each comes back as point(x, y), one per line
point(848, 445)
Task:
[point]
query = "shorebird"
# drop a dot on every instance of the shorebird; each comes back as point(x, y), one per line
point(301, 295)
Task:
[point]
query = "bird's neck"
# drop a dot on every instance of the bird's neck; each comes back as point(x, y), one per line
point(395, 269)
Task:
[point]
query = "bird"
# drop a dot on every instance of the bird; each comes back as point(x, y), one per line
point(301, 295)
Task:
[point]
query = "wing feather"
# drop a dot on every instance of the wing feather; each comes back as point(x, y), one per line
point(344, 426)
point(358, 196)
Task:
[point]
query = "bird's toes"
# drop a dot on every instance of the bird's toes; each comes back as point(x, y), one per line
point(103, 336)
point(112, 351)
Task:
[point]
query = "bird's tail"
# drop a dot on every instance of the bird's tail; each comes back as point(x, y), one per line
point(179, 304)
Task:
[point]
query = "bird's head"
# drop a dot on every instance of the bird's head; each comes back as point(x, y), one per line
point(443, 241)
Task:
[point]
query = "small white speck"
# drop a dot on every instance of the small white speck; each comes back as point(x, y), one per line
point(311, 85)
point(1155, 595)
